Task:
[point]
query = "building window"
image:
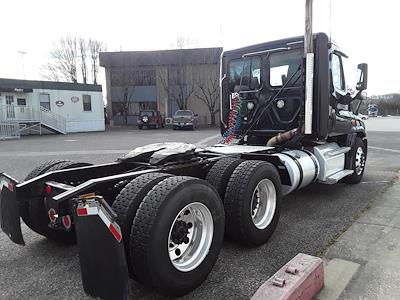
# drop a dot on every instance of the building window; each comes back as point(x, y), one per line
point(44, 101)
point(9, 100)
point(87, 103)
point(21, 101)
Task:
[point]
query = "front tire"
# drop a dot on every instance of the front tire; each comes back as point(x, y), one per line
point(165, 255)
point(359, 157)
point(252, 203)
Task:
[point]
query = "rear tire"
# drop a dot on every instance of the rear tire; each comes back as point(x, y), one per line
point(219, 174)
point(39, 170)
point(252, 203)
point(140, 126)
point(359, 158)
point(38, 214)
point(163, 219)
point(127, 203)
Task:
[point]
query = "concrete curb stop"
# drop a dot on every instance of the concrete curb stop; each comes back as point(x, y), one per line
point(301, 278)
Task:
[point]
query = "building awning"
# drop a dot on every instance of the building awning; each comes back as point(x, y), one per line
point(15, 89)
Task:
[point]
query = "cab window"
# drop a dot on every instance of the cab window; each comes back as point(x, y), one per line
point(245, 74)
point(337, 73)
point(283, 66)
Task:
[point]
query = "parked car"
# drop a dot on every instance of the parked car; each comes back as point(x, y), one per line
point(363, 117)
point(184, 119)
point(150, 119)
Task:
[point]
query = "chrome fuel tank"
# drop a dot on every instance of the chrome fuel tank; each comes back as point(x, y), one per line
point(302, 166)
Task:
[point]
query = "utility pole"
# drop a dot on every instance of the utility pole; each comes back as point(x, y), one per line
point(309, 57)
point(22, 53)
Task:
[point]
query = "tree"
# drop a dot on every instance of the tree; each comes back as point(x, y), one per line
point(208, 92)
point(63, 63)
point(95, 47)
point(178, 82)
point(83, 50)
point(71, 53)
point(122, 79)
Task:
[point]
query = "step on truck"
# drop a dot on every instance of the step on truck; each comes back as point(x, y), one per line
point(160, 213)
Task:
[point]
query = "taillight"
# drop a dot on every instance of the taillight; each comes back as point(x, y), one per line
point(48, 190)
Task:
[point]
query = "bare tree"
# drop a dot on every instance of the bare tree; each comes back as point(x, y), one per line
point(95, 47)
point(125, 98)
point(63, 63)
point(178, 82)
point(83, 51)
point(183, 42)
point(70, 52)
point(208, 92)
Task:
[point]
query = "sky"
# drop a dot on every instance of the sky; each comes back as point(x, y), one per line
point(366, 30)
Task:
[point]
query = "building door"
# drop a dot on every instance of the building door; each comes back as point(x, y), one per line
point(10, 107)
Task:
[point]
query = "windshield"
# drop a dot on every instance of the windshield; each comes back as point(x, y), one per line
point(183, 113)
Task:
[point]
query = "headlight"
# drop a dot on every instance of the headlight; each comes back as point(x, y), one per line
point(250, 105)
point(280, 103)
point(145, 118)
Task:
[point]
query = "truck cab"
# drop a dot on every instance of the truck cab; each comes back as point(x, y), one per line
point(270, 80)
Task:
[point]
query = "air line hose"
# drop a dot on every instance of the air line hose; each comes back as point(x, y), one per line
point(234, 119)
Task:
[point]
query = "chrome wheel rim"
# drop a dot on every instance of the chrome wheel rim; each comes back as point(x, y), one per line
point(263, 204)
point(360, 160)
point(190, 237)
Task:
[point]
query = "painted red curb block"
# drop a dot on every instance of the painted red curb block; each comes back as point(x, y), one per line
point(300, 279)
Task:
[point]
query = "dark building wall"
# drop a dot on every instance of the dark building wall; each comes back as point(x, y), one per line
point(152, 80)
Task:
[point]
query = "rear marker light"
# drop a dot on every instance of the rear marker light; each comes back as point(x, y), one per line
point(81, 211)
point(48, 190)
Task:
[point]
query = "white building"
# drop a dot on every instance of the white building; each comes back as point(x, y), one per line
point(59, 107)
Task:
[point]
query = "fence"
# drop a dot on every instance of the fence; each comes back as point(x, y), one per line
point(9, 130)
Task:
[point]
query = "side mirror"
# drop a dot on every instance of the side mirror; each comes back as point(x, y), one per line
point(362, 75)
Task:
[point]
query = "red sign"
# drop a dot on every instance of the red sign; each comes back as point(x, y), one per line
point(74, 99)
point(59, 103)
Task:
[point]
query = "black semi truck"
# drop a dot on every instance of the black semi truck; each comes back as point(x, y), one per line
point(160, 213)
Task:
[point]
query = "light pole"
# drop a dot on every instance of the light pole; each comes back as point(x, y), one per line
point(22, 53)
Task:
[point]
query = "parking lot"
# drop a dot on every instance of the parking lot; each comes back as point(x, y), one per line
point(311, 218)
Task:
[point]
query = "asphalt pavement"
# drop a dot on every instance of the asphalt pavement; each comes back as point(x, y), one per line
point(311, 219)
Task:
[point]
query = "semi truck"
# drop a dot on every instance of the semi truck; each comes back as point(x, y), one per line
point(160, 213)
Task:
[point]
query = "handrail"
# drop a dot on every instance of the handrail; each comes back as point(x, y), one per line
point(23, 113)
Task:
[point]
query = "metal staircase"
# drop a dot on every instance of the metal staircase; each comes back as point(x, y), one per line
point(29, 118)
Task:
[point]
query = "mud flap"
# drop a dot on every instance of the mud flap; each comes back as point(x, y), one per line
point(9, 209)
point(101, 251)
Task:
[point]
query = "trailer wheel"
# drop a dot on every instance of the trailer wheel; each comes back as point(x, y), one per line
point(127, 202)
point(359, 157)
point(219, 174)
point(177, 235)
point(252, 203)
point(39, 170)
point(38, 214)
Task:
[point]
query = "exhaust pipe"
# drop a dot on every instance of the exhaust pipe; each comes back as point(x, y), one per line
point(309, 56)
